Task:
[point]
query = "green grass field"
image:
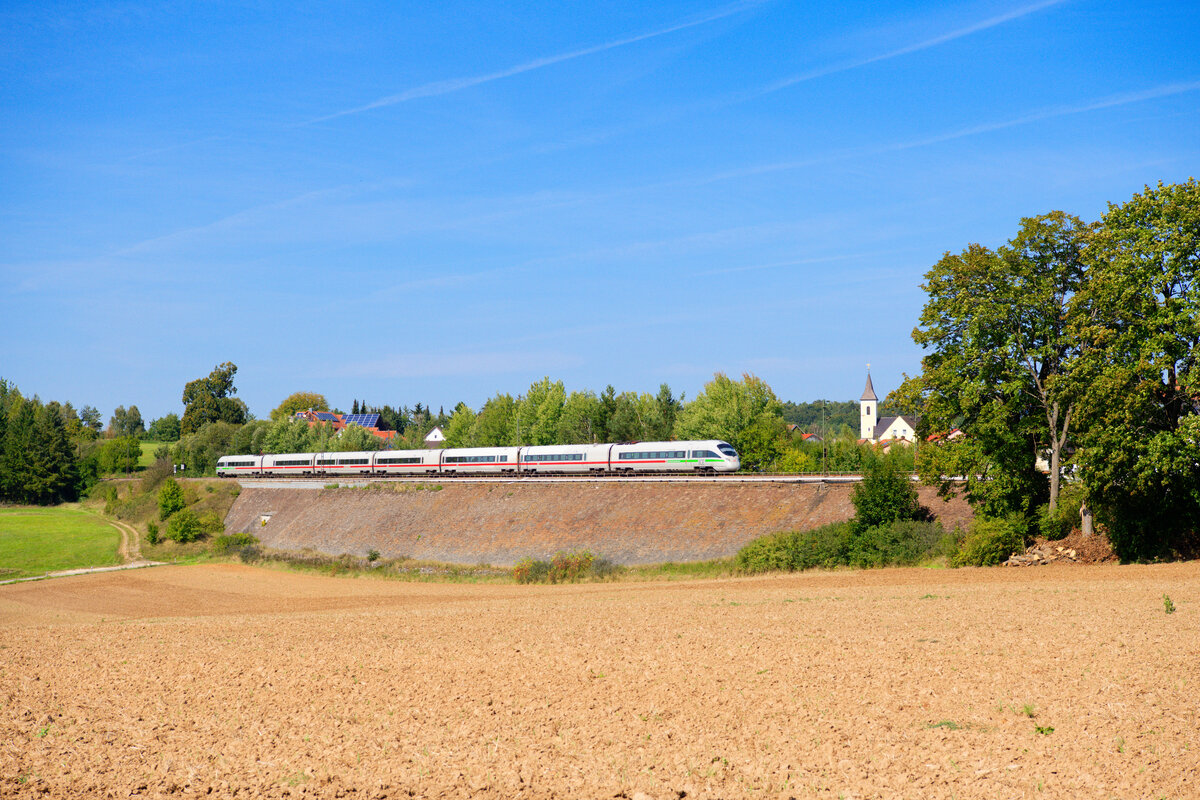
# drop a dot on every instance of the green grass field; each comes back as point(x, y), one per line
point(148, 448)
point(35, 540)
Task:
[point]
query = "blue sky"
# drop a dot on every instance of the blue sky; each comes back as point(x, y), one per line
point(434, 203)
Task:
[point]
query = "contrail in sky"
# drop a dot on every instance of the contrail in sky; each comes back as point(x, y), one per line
point(990, 22)
point(1112, 101)
point(457, 84)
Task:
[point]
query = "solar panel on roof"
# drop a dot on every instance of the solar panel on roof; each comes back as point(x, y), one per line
point(365, 420)
point(326, 416)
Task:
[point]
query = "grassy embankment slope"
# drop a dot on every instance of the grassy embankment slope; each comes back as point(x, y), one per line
point(36, 540)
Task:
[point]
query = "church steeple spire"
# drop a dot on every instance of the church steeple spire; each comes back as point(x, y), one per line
point(868, 408)
point(869, 392)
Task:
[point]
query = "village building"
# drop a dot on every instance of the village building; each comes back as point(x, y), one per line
point(435, 439)
point(339, 422)
point(876, 429)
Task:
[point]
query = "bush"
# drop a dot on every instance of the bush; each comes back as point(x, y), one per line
point(531, 570)
point(250, 553)
point(1066, 517)
point(372, 556)
point(569, 567)
point(563, 568)
point(152, 532)
point(827, 546)
point(992, 541)
point(900, 543)
point(1054, 525)
point(170, 498)
point(884, 495)
point(211, 523)
point(110, 499)
point(184, 526)
point(226, 542)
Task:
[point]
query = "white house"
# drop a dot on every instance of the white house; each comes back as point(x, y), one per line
point(435, 438)
point(888, 429)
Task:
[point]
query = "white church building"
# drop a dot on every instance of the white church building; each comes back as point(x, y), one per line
point(874, 429)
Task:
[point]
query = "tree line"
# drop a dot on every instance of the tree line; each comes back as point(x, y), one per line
point(745, 412)
point(1077, 342)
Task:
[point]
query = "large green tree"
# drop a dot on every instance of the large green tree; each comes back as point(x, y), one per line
point(126, 422)
point(1140, 319)
point(1001, 352)
point(496, 423)
point(304, 401)
point(209, 399)
point(459, 428)
point(582, 419)
point(164, 429)
point(538, 412)
point(745, 413)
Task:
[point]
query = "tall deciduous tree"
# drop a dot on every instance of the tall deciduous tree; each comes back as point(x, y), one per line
point(582, 419)
point(1140, 317)
point(126, 422)
point(90, 418)
point(496, 423)
point(997, 325)
point(304, 401)
point(538, 412)
point(164, 429)
point(459, 428)
point(210, 399)
point(745, 413)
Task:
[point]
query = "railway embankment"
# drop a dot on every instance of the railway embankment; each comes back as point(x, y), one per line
point(501, 523)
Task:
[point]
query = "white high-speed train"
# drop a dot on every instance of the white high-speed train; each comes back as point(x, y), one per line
point(701, 456)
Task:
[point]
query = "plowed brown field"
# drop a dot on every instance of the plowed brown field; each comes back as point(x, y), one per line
point(1067, 682)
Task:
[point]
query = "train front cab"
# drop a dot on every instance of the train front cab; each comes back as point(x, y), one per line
point(730, 460)
point(238, 466)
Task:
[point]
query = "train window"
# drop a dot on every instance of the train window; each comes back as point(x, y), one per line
point(727, 450)
point(399, 461)
point(326, 462)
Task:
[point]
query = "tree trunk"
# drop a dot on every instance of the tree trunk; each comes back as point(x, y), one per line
point(1055, 462)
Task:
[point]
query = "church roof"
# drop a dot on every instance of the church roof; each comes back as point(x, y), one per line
point(869, 392)
point(886, 422)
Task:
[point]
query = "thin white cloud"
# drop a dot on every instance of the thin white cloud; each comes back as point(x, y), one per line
point(434, 365)
point(442, 87)
point(844, 66)
point(1112, 101)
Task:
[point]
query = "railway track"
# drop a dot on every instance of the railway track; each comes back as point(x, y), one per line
point(261, 482)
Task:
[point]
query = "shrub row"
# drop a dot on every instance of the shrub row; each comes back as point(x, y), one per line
point(903, 543)
point(563, 568)
point(900, 543)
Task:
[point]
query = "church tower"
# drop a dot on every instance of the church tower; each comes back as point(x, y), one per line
point(868, 410)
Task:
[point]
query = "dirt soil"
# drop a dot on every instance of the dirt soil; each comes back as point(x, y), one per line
point(224, 681)
point(470, 523)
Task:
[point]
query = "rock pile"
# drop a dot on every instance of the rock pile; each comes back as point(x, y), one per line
point(1041, 554)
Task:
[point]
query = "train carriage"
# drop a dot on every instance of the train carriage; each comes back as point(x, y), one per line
point(569, 458)
point(343, 463)
point(298, 464)
point(479, 460)
point(407, 462)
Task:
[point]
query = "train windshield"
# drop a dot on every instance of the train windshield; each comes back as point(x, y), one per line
point(727, 450)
